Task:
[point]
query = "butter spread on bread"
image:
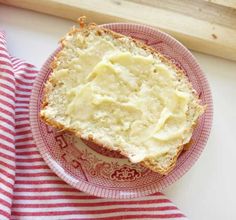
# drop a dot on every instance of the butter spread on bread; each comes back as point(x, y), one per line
point(121, 94)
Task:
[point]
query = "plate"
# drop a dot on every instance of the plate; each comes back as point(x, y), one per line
point(106, 173)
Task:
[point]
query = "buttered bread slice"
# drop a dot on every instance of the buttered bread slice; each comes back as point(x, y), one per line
point(122, 95)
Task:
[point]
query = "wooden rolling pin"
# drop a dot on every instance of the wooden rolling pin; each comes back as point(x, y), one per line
point(206, 33)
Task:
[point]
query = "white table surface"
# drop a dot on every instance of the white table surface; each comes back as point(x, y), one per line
point(208, 190)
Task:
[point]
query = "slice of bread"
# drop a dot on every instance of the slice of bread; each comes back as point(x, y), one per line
point(122, 95)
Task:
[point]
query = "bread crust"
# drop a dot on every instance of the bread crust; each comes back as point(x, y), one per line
point(147, 162)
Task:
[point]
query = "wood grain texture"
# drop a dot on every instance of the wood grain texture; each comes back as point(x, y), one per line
point(199, 9)
point(227, 3)
point(211, 31)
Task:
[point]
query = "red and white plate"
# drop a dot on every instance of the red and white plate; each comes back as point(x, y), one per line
point(105, 173)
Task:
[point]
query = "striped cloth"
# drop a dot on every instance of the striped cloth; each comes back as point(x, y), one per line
point(28, 188)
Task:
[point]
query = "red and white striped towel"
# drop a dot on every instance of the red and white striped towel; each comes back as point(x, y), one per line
point(28, 188)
